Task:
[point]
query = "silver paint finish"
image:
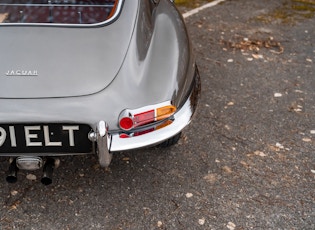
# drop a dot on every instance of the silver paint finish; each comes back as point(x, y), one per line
point(70, 61)
point(143, 58)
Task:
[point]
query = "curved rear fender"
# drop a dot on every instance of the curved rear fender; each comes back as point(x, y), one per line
point(170, 61)
point(160, 62)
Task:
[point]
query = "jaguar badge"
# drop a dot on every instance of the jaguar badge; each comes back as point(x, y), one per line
point(22, 73)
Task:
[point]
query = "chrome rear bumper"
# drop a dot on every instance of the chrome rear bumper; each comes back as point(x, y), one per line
point(180, 119)
point(107, 142)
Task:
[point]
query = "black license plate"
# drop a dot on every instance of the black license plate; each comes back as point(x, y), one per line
point(45, 138)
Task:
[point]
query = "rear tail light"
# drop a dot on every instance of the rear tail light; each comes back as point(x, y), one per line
point(130, 119)
point(126, 123)
point(145, 131)
point(144, 118)
point(165, 112)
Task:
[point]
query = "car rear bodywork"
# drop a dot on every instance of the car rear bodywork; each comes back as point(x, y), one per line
point(79, 75)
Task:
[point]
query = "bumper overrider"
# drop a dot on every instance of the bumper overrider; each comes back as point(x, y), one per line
point(108, 142)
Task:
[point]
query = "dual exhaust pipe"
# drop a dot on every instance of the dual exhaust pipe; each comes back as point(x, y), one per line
point(32, 163)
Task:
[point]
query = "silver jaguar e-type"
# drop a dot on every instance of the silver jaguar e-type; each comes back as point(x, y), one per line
point(91, 76)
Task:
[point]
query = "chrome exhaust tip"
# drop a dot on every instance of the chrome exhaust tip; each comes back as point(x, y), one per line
point(48, 170)
point(32, 163)
point(13, 170)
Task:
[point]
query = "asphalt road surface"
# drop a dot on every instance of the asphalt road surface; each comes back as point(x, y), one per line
point(246, 161)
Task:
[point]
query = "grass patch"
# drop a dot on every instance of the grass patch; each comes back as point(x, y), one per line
point(291, 12)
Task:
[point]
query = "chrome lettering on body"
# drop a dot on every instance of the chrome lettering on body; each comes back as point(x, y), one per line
point(22, 73)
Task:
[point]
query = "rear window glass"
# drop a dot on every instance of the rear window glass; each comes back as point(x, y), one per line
point(58, 11)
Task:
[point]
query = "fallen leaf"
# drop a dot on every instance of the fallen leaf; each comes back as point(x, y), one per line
point(14, 193)
point(31, 176)
point(276, 147)
point(202, 221)
point(189, 195)
point(227, 169)
point(260, 153)
point(211, 178)
point(96, 166)
point(159, 224)
point(15, 205)
point(277, 95)
point(280, 146)
point(306, 139)
point(257, 56)
point(231, 226)
point(245, 164)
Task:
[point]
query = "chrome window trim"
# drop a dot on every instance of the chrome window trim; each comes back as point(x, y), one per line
point(47, 5)
point(110, 20)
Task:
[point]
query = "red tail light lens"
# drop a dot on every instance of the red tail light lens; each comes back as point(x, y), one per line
point(126, 123)
point(129, 119)
point(144, 118)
